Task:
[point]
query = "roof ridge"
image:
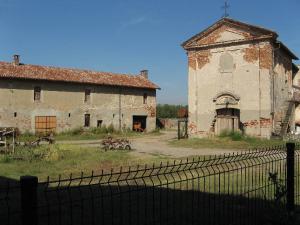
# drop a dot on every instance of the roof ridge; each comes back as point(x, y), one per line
point(73, 69)
point(249, 24)
point(219, 23)
point(52, 73)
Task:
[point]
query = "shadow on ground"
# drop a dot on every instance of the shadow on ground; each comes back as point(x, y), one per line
point(138, 204)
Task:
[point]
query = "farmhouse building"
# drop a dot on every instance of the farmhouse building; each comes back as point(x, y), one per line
point(43, 99)
point(240, 78)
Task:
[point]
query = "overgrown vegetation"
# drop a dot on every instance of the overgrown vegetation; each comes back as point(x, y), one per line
point(227, 140)
point(66, 159)
point(168, 111)
point(81, 133)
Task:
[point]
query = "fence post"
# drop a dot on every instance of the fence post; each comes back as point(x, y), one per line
point(290, 177)
point(29, 186)
point(178, 129)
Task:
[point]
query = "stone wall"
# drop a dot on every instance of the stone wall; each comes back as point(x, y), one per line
point(283, 82)
point(112, 105)
point(168, 123)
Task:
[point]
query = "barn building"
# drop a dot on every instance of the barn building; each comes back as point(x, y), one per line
point(240, 78)
point(49, 99)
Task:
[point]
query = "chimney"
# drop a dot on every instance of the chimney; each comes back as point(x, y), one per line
point(144, 73)
point(17, 60)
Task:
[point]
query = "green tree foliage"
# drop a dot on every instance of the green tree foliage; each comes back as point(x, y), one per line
point(168, 111)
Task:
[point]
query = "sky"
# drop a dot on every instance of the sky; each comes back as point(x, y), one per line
point(126, 36)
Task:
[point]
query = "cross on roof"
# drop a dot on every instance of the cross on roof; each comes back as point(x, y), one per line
point(225, 7)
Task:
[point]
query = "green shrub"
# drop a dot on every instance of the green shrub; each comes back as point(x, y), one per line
point(27, 133)
point(99, 130)
point(127, 130)
point(5, 158)
point(110, 128)
point(27, 136)
point(53, 154)
point(225, 133)
point(156, 130)
point(72, 132)
point(30, 154)
point(77, 131)
point(233, 135)
point(236, 136)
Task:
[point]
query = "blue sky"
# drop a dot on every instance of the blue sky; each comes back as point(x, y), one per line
point(126, 36)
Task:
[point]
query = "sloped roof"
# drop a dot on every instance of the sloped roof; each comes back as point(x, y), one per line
point(295, 68)
point(36, 72)
point(261, 31)
point(229, 21)
point(286, 49)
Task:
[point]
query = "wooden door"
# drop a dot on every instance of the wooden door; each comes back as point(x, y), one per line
point(227, 120)
point(45, 124)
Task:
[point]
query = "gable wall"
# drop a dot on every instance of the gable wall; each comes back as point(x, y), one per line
point(224, 33)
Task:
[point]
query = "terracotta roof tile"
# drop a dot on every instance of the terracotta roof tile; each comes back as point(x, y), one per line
point(35, 72)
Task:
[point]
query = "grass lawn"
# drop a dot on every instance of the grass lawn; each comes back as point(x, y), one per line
point(225, 143)
point(52, 160)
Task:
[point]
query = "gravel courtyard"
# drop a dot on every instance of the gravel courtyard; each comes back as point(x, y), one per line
point(158, 145)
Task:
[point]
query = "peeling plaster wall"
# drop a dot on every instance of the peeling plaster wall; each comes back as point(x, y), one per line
point(282, 84)
point(60, 99)
point(296, 82)
point(250, 79)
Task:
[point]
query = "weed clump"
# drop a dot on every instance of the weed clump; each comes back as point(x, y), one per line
point(47, 153)
point(232, 135)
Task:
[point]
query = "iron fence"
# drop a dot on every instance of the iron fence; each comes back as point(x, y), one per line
point(254, 187)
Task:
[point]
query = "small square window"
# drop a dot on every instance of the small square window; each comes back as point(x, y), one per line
point(37, 94)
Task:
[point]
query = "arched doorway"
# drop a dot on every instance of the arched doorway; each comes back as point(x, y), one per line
point(227, 116)
point(227, 119)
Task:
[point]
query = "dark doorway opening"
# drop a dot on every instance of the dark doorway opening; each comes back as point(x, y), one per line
point(99, 123)
point(87, 120)
point(139, 123)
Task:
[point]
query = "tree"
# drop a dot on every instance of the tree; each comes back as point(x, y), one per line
point(168, 111)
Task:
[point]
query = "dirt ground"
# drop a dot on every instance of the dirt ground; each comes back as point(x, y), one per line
point(158, 145)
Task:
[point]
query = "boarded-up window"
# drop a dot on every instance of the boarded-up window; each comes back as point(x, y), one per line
point(87, 120)
point(45, 124)
point(145, 98)
point(226, 63)
point(37, 94)
point(87, 95)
